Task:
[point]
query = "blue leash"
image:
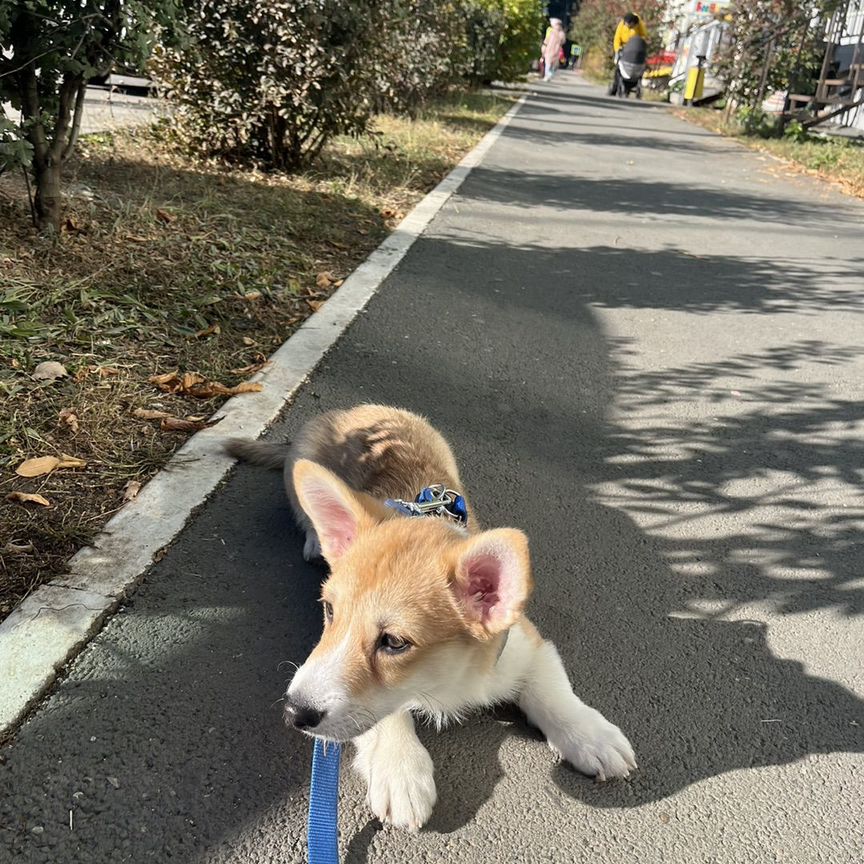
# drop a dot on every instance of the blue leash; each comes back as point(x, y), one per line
point(323, 839)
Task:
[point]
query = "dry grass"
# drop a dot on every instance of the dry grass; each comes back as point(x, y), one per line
point(168, 264)
point(837, 160)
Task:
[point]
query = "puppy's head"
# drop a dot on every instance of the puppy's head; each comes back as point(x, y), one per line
point(412, 609)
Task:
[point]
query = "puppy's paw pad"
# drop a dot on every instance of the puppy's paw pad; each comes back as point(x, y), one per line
point(596, 747)
point(403, 794)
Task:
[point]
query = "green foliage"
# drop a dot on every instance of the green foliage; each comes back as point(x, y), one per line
point(795, 131)
point(520, 41)
point(773, 45)
point(50, 49)
point(269, 82)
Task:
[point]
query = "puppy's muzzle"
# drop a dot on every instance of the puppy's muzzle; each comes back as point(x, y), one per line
point(301, 716)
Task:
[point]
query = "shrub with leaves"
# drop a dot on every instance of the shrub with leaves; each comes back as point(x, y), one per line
point(484, 29)
point(49, 49)
point(270, 81)
point(422, 53)
point(524, 26)
point(502, 38)
point(773, 44)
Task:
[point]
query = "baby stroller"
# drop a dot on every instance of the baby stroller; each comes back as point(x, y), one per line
point(629, 67)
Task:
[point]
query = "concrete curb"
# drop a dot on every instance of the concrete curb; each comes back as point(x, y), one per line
point(55, 622)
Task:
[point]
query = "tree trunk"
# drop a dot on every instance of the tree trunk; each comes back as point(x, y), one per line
point(48, 206)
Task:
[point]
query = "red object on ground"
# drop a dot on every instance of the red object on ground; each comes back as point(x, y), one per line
point(662, 58)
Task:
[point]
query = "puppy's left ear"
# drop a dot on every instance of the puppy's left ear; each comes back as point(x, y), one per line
point(492, 580)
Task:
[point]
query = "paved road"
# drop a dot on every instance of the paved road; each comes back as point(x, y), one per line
point(645, 344)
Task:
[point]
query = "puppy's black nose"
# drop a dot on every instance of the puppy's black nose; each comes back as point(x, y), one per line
point(302, 716)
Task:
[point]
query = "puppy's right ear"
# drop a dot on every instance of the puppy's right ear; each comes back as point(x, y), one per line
point(334, 509)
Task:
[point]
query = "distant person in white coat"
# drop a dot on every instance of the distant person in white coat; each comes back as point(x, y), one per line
point(552, 45)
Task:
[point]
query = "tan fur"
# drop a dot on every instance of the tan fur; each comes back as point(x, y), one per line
point(382, 451)
point(427, 616)
point(399, 575)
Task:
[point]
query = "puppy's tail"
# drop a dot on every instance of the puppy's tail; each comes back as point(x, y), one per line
point(263, 453)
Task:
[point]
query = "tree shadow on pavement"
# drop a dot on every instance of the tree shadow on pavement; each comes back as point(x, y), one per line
point(656, 198)
point(560, 431)
point(668, 621)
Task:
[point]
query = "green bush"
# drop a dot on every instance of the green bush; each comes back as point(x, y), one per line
point(520, 41)
point(271, 81)
point(772, 45)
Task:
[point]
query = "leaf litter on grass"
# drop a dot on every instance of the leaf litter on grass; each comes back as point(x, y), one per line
point(172, 264)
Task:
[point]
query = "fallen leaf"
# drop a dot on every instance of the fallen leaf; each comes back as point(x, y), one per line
point(27, 498)
point(159, 554)
point(190, 380)
point(69, 418)
point(178, 424)
point(72, 227)
point(251, 369)
point(46, 464)
point(194, 384)
point(164, 216)
point(136, 239)
point(388, 212)
point(67, 461)
point(212, 330)
point(325, 279)
point(131, 490)
point(164, 378)
point(37, 467)
point(315, 305)
point(251, 296)
point(147, 414)
point(50, 370)
point(338, 283)
point(246, 387)
point(18, 547)
point(247, 340)
point(209, 389)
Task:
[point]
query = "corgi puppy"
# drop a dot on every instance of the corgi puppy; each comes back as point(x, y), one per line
point(423, 614)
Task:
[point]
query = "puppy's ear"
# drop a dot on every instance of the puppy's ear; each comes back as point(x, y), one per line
point(492, 580)
point(333, 507)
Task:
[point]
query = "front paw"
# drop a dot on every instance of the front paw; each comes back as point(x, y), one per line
point(401, 790)
point(594, 746)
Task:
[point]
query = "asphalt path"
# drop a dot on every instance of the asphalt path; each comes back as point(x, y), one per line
point(645, 345)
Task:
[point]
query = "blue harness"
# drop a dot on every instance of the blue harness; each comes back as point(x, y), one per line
point(322, 834)
point(435, 500)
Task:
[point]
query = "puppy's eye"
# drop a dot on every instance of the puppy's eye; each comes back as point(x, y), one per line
point(390, 644)
point(328, 612)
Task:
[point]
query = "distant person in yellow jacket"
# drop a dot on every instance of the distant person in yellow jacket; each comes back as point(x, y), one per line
point(629, 26)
